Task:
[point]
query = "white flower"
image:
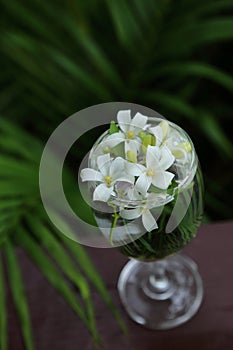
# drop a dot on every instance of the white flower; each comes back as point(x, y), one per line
point(158, 160)
point(148, 219)
point(160, 132)
point(109, 172)
point(104, 147)
point(130, 129)
point(127, 193)
point(166, 136)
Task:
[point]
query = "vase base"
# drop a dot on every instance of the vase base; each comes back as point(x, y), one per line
point(178, 299)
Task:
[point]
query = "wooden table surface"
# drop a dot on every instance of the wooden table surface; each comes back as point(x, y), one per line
point(55, 326)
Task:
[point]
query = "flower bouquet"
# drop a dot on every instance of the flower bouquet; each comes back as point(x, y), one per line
point(147, 198)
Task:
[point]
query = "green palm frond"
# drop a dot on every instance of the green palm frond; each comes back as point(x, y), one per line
point(18, 293)
point(24, 222)
point(193, 69)
point(3, 311)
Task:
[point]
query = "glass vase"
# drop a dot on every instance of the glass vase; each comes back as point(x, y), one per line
point(159, 287)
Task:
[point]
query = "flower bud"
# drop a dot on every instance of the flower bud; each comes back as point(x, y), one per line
point(186, 146)
point(131, 156)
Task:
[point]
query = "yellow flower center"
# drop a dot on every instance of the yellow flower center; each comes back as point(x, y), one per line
point(150, 172)
point(130, 134)
point(108, 180)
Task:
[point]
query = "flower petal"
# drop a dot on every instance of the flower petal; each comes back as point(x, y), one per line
point(152, 157)
point(133, 194)
point(158, 133)
point(102, 193)
point(117, 167)
point(138, 122)
point(167, 159)
point(124, 119)
point(143, 183)
point(162, 179)
point(149, 221)
point(89, 174)
point(118, 173)
point(114, 139)
point(165, 128)
point(133, 145)
point(156, 199)
point(131, 214)
point(134, 169)
point(125, 178)
point(103, 163)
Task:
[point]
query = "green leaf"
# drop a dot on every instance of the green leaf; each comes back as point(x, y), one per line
point(172, 187)
point(9, 95)
point(13, 145)
point(3, 311)
point(10, 204)
point(194, 12)
point(10, 166)
point(125, 23)
point(51, 274)
point(199, 69)
point(113, 128)
point(16, 188)
point(43, 96)
point(11, 48)
point(172, 103)
point(214, 133)
point(57, 252)
point(212, 30)
point(73, 69)
point(147, 246)
point(94, 52)
point(31, 19)
point(19, 196)
point(214, 7)
point(186, 38)
point(18, 293)
point(23, 138)
point(89, 269)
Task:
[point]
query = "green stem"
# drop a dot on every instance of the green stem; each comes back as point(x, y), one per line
point(116, 217)
point(130, 236)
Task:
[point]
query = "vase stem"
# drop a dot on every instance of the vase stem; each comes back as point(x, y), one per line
point(157, 285)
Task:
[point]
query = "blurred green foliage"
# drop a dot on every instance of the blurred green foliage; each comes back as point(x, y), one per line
point(173, 56)
point(59, 57)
